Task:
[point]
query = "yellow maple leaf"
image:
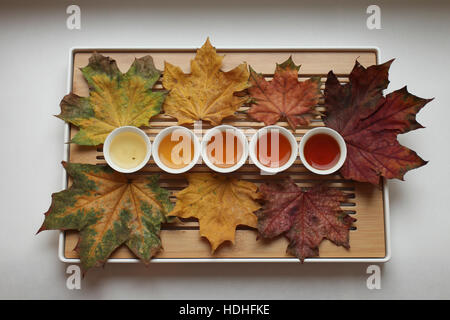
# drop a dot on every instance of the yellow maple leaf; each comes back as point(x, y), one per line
point(220, 203)
point(207, 93)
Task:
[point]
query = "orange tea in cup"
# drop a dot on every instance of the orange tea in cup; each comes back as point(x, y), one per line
point(176, 150)
point(273, 149)
point(224, 149)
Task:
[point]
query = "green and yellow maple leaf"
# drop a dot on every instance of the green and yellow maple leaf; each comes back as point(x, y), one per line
point(109, 210)
point(115, 99)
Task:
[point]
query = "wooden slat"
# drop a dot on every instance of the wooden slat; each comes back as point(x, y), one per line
point(312, 63)
point(181, 239)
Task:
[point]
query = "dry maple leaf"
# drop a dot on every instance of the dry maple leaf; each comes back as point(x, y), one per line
point(220, 203)
point(284, 96)
point(115, 99)
point(207, 93)
point(305, 217)
point(109, 210)
point(370, 123)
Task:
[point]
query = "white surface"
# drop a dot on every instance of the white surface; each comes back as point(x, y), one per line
point(34, 45)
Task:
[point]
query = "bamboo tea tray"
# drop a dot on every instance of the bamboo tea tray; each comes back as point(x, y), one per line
point(369, 241)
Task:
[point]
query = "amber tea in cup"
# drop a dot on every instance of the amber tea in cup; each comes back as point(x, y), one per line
point(176, 149)
point(273, 149)
point(224, 148)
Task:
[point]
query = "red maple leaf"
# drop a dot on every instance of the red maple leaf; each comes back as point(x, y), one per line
point(284, 96)
point(305, 217)
point(370, 123)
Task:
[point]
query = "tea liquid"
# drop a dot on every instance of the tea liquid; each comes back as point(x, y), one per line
point(273, 149)
point(322, 151)
point(224, 149)
point(128, 149)
point(176, 151)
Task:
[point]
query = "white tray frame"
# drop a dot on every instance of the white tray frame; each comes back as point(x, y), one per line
point(61, 243)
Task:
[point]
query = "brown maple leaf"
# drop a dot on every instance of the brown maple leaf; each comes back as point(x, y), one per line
point(370, 123)
point(284, 96)
point(305, 217)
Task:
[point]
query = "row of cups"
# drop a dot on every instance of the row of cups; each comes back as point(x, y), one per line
point(249, 149)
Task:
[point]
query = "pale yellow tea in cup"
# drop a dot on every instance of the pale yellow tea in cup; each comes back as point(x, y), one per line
point(128, 149)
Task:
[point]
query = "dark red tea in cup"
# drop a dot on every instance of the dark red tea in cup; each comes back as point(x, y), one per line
point(322, 151)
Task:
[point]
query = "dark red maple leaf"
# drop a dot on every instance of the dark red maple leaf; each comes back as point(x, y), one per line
point(284, 96)
point(370, 123)
point(305, 217)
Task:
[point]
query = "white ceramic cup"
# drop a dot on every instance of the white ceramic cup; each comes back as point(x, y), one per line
point(241, 137)
point(113, 134)
point(333, 134)
point(284, 132)
point(180, 131)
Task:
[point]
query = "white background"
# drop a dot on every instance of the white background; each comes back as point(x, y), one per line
point(34, 53)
